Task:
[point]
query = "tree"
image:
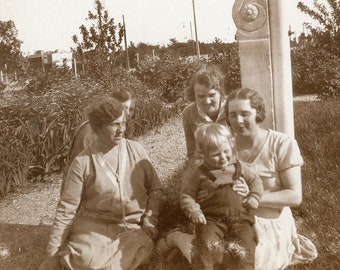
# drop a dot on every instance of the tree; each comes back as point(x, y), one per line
point(327, 14)
point(315, 66)
point(101, 42)
point(10, 54)
point(179, 49)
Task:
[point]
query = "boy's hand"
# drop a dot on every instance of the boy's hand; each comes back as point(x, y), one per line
point(198, 218)
point(251, 203)
point(150, 228)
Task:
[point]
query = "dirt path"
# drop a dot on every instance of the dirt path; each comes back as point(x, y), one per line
point(27, 214)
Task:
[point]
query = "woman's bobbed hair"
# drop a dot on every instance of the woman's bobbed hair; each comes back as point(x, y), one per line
point(256, 102)
point(210, 76)
point(103, 111)
point(210, 136)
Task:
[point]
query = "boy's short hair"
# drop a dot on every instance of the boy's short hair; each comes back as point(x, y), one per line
point(208, 136)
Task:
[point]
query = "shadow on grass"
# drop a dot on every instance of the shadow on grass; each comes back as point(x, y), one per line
point(22, 247)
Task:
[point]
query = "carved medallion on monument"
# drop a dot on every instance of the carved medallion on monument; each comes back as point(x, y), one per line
point(251, 19)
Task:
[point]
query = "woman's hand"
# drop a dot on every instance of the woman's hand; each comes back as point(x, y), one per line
point(240, 187)
point(51, 251)
point(207, 190)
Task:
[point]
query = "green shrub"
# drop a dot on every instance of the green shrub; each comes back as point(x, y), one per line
point(230, 66)
point(14, 161)
point(316, 71)
point(170, 75)
point(167, 75)
point(38, 123)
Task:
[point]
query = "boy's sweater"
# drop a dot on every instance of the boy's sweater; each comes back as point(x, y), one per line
point(225, 203)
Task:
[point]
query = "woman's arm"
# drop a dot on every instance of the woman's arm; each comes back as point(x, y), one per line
point(67, 207)
point(155, 194)
point(290, 193)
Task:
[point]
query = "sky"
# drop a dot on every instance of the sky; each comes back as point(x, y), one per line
point(50, 24)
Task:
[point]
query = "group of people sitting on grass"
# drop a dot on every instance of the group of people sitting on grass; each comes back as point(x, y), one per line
point(239, 184)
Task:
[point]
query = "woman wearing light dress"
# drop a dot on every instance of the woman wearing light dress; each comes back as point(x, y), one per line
point(107, 215)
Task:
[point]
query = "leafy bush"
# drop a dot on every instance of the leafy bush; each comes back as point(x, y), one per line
point(38, 123)
point(168, 75)
point(316, 71)
point(2, 86)
point(14, 159)
point(42, 81)
point(230, 66)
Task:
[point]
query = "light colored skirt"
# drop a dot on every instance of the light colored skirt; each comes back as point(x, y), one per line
point(278, 246)
point(99, 245)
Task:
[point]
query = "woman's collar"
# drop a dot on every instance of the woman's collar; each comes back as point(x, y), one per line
point(221, 111)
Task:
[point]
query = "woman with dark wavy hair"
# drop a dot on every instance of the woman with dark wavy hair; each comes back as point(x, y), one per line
point(84, 136)
point(277, 159)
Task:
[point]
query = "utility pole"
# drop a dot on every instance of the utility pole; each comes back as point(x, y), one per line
point(197, 45)
point(42, 61)
point(192, 39)
point(153, 55)
point(126, 47)
point(137, 58)
point(191, 31)
point(75, 67)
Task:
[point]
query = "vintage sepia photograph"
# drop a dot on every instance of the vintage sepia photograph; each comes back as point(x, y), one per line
point(169, 134)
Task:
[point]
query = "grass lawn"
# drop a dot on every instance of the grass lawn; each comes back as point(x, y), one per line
point(317, 130)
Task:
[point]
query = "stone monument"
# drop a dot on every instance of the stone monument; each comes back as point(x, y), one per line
point(264, 50)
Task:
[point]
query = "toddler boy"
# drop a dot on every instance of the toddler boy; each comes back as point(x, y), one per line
point(225, 213)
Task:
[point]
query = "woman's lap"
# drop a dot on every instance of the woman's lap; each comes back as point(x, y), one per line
point(278, 246)
point(279, 243)
point(99, 245)
point(276, 239)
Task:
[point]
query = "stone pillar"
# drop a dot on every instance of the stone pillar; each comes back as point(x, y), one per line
point(265, 58)
point(281, 63)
